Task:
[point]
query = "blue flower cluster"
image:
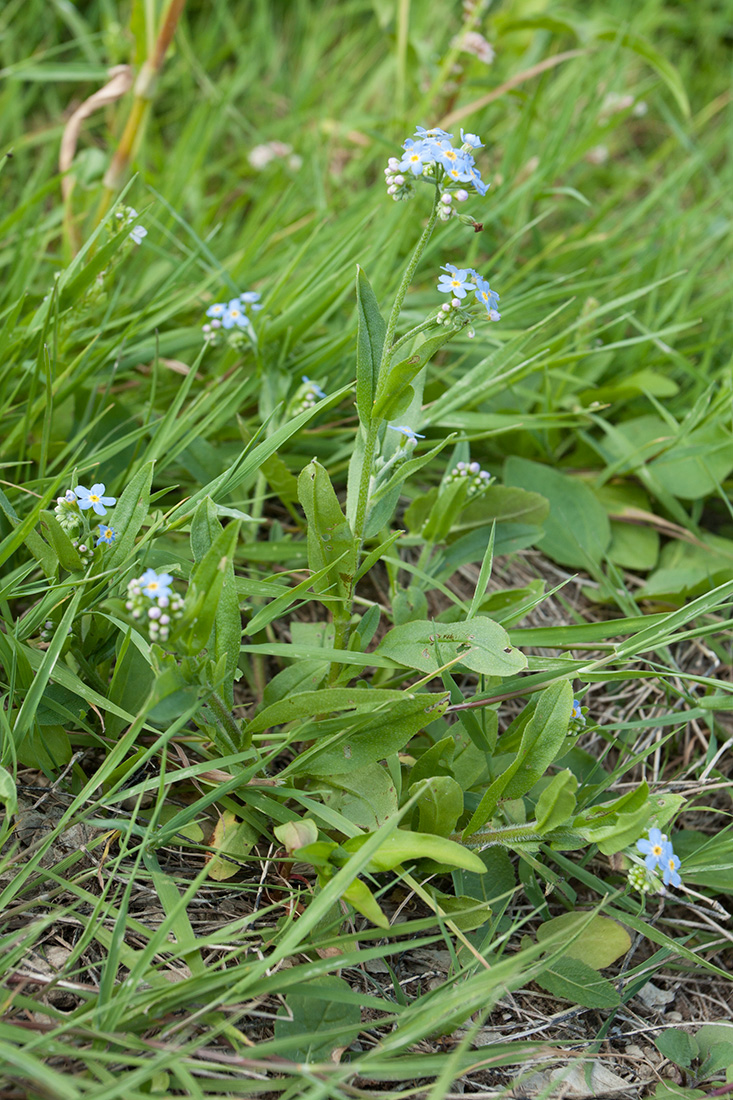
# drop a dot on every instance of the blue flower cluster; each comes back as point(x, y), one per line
point(460, 280)
point(306, 396)
point(70, 509)
point(660, 858)
point(152, 601)
point(431, 155)
point(231, 314)
point(659, 853)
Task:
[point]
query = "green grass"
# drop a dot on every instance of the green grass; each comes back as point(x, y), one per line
point(156, 936)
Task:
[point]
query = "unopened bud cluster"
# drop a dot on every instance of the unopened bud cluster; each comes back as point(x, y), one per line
point(73, 512)
point(125, 216)
point(306, 396)
point(478, 479)
point(153, 604)
point(643, 881)
point(48, 630)
point(67, 512)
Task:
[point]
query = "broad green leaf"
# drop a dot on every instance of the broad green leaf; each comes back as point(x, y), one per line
point(598, 943)
point(403, 847)
point(543, 738)
point(556, 804)
point(505, 504)
point(579, 983)
point(360, 896)
point(208, 580)
point(677, 1045)
point(231, 838)
point(367, 796)
point(330, 540)
point(694, 466)
point(437, 760)
point(370, 332)
point(392, 388)
point(577, 529)
point(227, 628)
point(296, 834)
point(481, 645)
point(715, 1043)
point(439, 804)
point(368, 737)
point(47, 748)
point(466, 913)
point(65, 550)
point(633, 546)
point(499, 878)
point(689, 568)
point(320, 1016)
point(308, 704)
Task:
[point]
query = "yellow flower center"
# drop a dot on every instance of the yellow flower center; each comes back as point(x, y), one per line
point(94, 498)
point(657, 850)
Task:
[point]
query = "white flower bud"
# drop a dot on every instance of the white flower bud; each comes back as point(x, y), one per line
point(445, 307)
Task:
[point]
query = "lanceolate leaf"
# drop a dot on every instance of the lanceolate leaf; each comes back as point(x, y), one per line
point(481, 645)
point(369, 345)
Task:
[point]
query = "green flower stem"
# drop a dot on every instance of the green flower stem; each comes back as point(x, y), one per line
point(507, 835)
point(430, 323)
point(342, 620)
point(370, 445)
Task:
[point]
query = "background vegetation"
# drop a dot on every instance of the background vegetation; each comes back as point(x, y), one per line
point(156, 936)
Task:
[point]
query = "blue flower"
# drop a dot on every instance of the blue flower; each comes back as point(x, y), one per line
point(417, 154)
point(137, 233)
point(407, 432)
point(235, 315)
point(251, 298)
point(655, 848)
point(456, 163)
point(155, 584)
point(106, 535)
point(486, 295)
point(475, 178)
point(456, 282)
point(576, 713)
point(670, 862)
point(436, 132)
point(217, 310)
point(314, 387)
point(472, 139)
point(94, 498)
